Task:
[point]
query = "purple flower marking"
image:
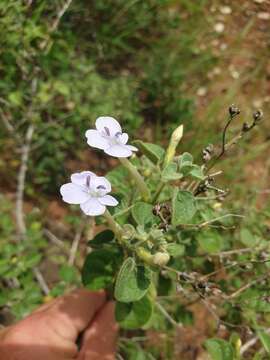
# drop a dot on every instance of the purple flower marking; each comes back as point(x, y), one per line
point(108, 136)
point(89, 191)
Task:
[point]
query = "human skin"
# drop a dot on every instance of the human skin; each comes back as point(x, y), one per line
point(52, 331)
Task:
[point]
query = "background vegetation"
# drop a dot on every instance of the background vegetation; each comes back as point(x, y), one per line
point(151, 64)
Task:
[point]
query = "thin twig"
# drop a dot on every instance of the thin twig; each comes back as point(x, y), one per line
point(60, 14)
point(223, 149)
point(75, 244)
point(55, 240)
point(167, 315)
point(9, 127)
point(19, 213)
point(40, 279)
point(205, 223)
point(245, 347)
point(233, 252)
point(247, 286)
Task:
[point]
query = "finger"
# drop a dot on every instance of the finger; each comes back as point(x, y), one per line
point(54, 330)
point(99, 341)
point(72, 313)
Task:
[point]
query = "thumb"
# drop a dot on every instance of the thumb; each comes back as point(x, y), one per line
point(99, 340)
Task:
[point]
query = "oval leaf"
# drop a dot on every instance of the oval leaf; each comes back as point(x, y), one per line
point(219, 349)
point(134, 315)
point(183, 207)
point(104, 237)
point(142, 213)
point(132, 281)
point(153, 152)
point(100, 267)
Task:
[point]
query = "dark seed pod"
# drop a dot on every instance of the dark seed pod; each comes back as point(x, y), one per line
point(245, 127)
point(234, 110)
point(257, 116)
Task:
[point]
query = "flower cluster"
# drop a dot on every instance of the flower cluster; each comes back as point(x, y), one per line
point(86, 188)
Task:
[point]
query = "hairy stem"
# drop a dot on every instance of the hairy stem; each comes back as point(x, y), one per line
point(137, 177)
point(113, 225)
point(158, 192)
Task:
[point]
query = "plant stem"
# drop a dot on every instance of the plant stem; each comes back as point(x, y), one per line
point(137, 177)
point(158, 192)
point(167, 315)
point(113, 225)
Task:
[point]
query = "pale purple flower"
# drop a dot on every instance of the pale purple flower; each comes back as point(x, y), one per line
point(108, 136)
point(89, 191)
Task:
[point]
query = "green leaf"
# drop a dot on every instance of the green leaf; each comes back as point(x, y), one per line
point(185, 159)
point(210, 241)
point(132, 281)
point(68, 273)
point(183, 207)
point(15, 98)
point(259, 305)
point(152, 151)
point(134, 315)
point(196, 172)
point(100, 267)
point(219, 349)
point(265, 340)
point(170, 173)
point(104, 237)
point(133, 351)
point(247, 238)
point(142, 213)
point(258, 356)
point(175, 250)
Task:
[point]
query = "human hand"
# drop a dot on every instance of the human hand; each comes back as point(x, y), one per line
point(51, 332)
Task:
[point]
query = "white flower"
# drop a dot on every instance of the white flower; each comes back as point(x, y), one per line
point(108, 136)
point(89, 191)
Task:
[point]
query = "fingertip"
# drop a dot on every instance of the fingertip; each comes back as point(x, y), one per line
point(99, 339)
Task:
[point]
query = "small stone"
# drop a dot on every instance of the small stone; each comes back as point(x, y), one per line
point(259, 1)
point(216, 71)
point(223, 46)
point(235, 74)
point(257, 103)
point(215, 42)
point(202, 91)
point(219, 27)
point(225, 10)
point(263, 16)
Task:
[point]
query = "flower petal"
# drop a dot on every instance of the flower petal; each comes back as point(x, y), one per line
point(108, 200)
point(101, 183)
point(123, 138)
point(118, 151)
point(73, 194)
point(95, 139)
point(110, 123)
point(92, 207)
point(80, 178)
point(132, 148)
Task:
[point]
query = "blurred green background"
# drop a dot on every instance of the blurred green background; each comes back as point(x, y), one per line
point(151, 64)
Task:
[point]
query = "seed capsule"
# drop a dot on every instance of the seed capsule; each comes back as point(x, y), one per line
point(161, 258)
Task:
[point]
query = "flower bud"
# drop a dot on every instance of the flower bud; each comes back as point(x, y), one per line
point(234, 110)
point(257, 116)
point(128, 231)
point(175, 140)
point(161, 258)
